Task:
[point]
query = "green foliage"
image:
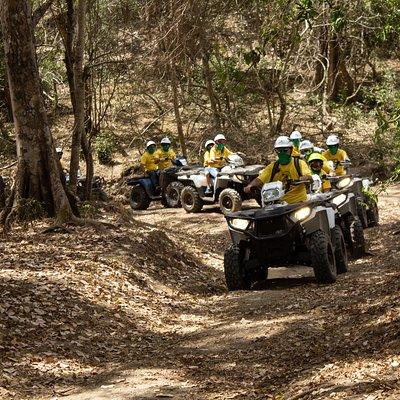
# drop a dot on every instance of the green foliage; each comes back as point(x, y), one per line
point(306, 10)
point(105, 146)
point(338, 19)
point(88, 209)
point(30, 210)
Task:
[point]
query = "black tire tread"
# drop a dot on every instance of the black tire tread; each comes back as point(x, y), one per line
point(235, 276)
point(177, 186)
point(144, 199)
point(319, 242)
point(236, 200)
point(197, 202)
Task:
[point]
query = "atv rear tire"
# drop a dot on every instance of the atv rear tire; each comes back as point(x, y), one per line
point(322, 257)
point(173, 194)
point(139, 198)
point(235, 274)
point(191, 200)
point(372, 214)
point(356, 239)
point(340, 250)
point(230, 201)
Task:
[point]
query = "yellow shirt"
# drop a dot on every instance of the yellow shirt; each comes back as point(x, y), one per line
point(295, 152)
point(147, 161)
point(215, 156)
point(295, 194)
point(340, 155)
point(325, 165)
point(207, 158)
point(161, 154)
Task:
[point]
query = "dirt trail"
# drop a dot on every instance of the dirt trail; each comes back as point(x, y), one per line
point(290, 339)
point(292, 336)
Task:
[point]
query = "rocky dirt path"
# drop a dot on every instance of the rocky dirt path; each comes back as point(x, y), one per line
point(290, 339)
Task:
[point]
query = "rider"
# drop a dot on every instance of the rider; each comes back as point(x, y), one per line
point(295, 138)
point(166, 155)
point(335, 154)
point(218, 153)
point(149, 162)
point(307, 149)
point(207, 153)
point(316, 162)
point(285, 169)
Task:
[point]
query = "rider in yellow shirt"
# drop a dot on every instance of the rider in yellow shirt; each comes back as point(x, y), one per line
point(285, 169)
point(335, 154)
point(207, 153)
point(295, 138)
point(166, 155)
point(307, 148)
point(149, 162)
point(218, 154)
point(316, 162)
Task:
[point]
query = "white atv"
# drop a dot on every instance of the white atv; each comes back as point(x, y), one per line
point(227, 190)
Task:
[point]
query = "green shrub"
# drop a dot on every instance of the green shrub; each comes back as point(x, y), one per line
point(105, 147)
point(87, 210)
point(30, 210)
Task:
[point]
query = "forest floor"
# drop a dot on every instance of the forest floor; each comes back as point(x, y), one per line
point(141, 311)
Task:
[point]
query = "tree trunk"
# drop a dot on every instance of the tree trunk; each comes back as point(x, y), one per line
point(210, 90)
point(39, 170)
point(340, 85)
point(174, 84)
point(79, 87)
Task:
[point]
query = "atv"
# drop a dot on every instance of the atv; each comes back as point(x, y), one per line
point(97, 186)
point(347, 217)
point(227, 189)
point(306, 233)
point(367, 206)
point(168, 192)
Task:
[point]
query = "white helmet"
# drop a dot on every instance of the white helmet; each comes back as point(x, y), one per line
point(282, 141)
point(295, 135)
point(306, 145)
point(165, 141)
point(220, 136)
point(332, 140)
point(208, 143)
point(150, 142)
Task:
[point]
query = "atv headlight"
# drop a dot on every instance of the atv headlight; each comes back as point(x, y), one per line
point(338, 200)
point(239, 224)
point(271, 195)
point(343, 183)
point(301, 214)
point(240, 178)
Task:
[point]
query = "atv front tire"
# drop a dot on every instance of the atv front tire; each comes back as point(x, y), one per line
point(173, 194)
point(191, 200)
point(230, 201)
point(235, 274)
point(139, 198)
point(322, 257)
point(340, 250)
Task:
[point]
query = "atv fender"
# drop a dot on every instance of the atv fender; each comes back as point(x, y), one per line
point(321, 218)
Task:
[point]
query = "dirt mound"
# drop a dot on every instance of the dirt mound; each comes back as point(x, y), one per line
point(72, 303)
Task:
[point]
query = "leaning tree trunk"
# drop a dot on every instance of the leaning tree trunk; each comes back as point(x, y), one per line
point(174, 84)
point(340, 84)
point(39, 170)
point(79, 86)
point(210, 90)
